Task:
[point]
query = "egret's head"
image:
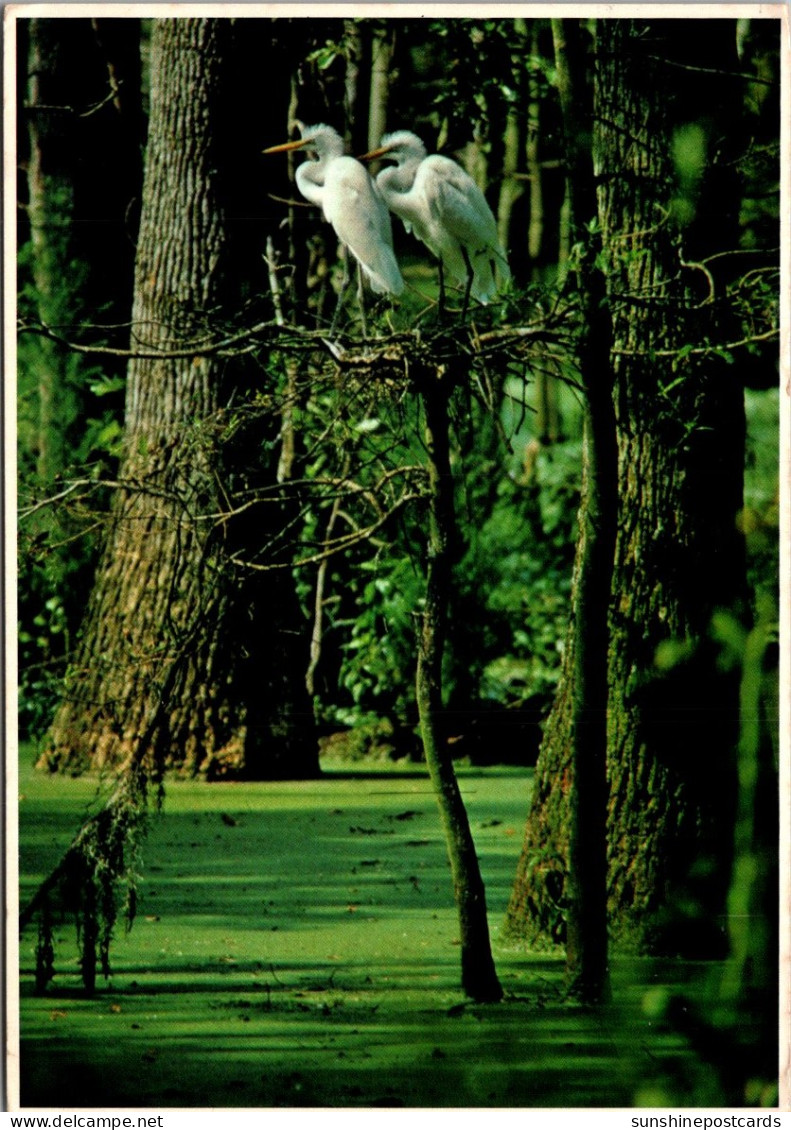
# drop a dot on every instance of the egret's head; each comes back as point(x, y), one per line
point(401, 146)
point(319, 141)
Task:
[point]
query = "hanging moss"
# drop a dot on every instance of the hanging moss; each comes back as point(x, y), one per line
point(96, 881)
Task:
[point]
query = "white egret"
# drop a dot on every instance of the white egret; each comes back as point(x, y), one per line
point(347, 195)
point(443, 206)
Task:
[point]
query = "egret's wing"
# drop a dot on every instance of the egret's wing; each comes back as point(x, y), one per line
point(362, 222)
point(465, 226)
point(458, 204)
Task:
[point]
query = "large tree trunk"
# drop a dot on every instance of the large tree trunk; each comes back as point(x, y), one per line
point(177, 647)
point(678, 558)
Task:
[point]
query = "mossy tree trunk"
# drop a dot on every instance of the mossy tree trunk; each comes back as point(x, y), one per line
point(178, 647)
point(478, 976)
point(672, 718)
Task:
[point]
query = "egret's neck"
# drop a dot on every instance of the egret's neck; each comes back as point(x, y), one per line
point(310, 181)
point(397, 180)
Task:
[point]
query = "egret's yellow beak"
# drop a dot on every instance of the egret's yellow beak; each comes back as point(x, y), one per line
point(374, 153)
point(287, 147)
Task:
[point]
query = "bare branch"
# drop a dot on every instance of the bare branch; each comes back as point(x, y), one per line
point(39, 107)
point(219, 348)
point(337, 545)
point(699, 350)
point(53, 499)
point(712, 71)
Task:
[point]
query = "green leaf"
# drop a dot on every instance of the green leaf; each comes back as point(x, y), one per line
point(106, 385)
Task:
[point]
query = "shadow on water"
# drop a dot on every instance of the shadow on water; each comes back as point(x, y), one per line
point(395, 1034)
point(296, 946)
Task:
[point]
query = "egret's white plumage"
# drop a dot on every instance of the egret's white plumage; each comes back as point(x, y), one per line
point(351, 202)
point(443, 206)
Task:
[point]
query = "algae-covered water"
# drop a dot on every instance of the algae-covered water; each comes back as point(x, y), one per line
point(296, 945)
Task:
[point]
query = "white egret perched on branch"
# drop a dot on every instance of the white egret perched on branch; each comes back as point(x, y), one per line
point(344, 190)
point(443, 206)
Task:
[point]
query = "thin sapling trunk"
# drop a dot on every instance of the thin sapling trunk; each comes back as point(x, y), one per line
point(478, 976)
point(586, 879)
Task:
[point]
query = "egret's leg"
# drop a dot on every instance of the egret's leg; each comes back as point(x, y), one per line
point(361, 299)
point(470, 277)
point(441, 289)
point(344, 287)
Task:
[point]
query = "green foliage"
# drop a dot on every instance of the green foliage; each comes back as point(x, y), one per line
point(509, 605)
point(69, 425)
point(689, 154)
point(324, 57)
point(760, 517)
point(378, 657)
point(477, 71)
point(57, 553)
point(517, 574)
point(735, 1026)
point(43, 646)
point(472, 72)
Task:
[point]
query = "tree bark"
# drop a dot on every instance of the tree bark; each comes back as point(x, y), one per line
point(678, 557)
point(381, 56)
point(354, 43)
point(478, 975)
point(177, 644)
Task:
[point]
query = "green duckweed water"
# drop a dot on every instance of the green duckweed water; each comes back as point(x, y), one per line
point(295, 945)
